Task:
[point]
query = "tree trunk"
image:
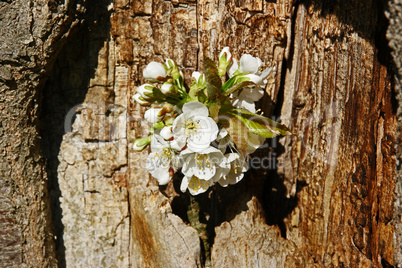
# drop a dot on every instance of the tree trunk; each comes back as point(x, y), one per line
point(325, 197)
point(31, 35)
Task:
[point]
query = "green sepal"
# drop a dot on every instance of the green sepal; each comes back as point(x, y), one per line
point(158, 125)
point(157, 93)
point(228, 84)
point(239, 86)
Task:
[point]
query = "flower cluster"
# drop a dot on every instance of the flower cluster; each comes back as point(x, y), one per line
point(208, 128)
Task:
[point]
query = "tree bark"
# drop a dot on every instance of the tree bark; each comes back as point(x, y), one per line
point(325, 199)
point(31, 35)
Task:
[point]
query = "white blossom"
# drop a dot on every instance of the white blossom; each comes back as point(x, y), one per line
point(138, 98)
point(197, 75)
point(238, 166)
point(162, 160)
point(195, 185)
point(202, 169)
point(194, 127)
point(226, 54)
point(166, 88)
point(250, 67)
point(153, 115)
point(167, 133)
point(145, 91)
point(250, 64)
point(154, 71)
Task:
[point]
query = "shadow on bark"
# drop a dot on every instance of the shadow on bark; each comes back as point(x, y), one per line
point(206, 211)
point(358, 16)
point(63, 92)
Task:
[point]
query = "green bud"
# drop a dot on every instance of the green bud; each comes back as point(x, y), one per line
point(141, 143)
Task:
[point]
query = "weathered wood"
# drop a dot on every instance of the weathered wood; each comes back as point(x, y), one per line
point(329, 202)
point(32, 33)
point(328, 85)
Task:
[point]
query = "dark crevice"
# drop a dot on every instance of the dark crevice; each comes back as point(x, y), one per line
point(381, 42)
point(277, 206)
point(66, 88)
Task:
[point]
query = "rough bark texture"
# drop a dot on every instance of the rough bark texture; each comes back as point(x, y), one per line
point(394, 35)
point(330, 202)
point(32, 33)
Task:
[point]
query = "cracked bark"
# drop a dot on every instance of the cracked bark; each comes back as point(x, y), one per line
point(328, 203)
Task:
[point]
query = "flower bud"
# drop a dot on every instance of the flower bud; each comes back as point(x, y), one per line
point(167, 88)
point(167, 133)
point(153, 115)
point(225, 58)
point(168, 108)
point(154, 72)
point(146, 91)
point(138, 98)
point(141, 143)
point(170, 63)
point(199, 77)
point(158, 125)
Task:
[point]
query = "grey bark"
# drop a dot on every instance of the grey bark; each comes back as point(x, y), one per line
point(32, 32)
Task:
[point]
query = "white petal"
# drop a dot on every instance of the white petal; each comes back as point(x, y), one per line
point(194, 108)
point(158, 169)
point(163, 178)
point(152, 115)
point(184, 184)
point(206, 133)
point(265, 73)
point(211, 150)
point(233, 68)
point(189, 165)
point(249, 106)
point(227, 51)
point(249, 64)
point(166, 87)
point(142, 90)
point(157, 142)
point(137, 97)
point(251, 94)
point(255, 78)
point(178, 125)
point(196, 75)
point(154, 70)
point(167, 133)
point(222, 133)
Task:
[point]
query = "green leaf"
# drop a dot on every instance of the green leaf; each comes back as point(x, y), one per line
point(214, 111)
point(228, 84)
point(239, 86)
point(213, 81)
point(238, 131)
point(260, 125)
